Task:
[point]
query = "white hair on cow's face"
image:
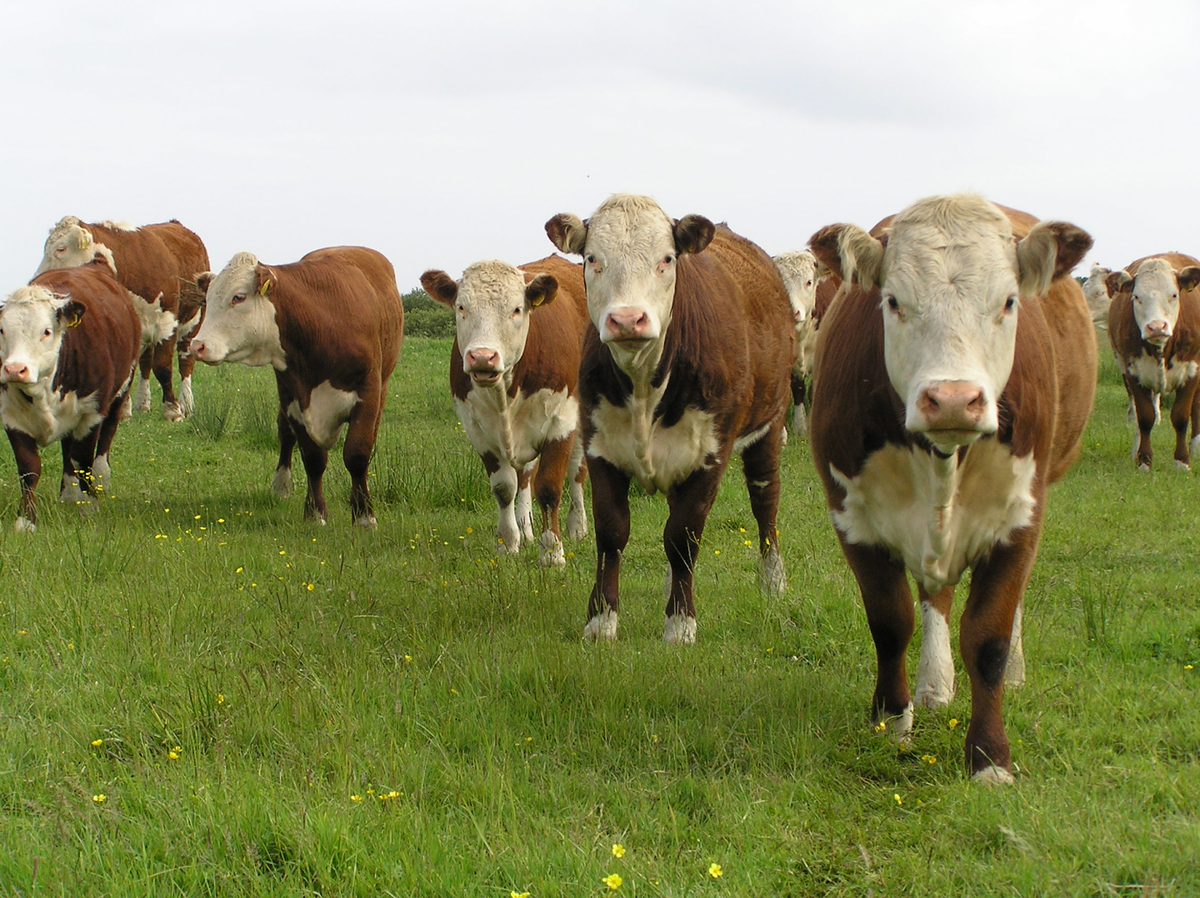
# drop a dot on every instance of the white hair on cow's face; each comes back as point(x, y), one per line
point(31, 332)
point(800, 277)
point(1156, 300)
point(70, 245)
point(239, 323)
point(491, 315)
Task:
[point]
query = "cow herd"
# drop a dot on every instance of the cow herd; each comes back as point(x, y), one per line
point(942, 365)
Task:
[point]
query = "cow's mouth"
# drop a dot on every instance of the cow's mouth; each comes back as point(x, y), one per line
point(485, 377)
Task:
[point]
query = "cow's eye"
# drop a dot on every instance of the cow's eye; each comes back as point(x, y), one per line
point(46, 333)
point(591, 258)
point(516, 311)
point(668, 259)
point(237, 299)
point(893, 304)
point(1010, 304)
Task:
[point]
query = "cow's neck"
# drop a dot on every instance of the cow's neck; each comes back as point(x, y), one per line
point(944, 479)
point(641, 367)
point(497, 396)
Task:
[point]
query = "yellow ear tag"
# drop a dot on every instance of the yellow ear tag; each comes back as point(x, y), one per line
point(266, 285)
point(74, 322)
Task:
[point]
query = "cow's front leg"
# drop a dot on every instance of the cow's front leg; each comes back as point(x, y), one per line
point(1146, 410)
point(281, 483)
point(1182, 412)
point(548, 487)
point(29, 471)
point(610, 515)
point(577, 525)
point(315, 460)
point(690, 503)
point(356, 456)
point(799, 413)
point(141, 402)
point(935, 675)
point(503, 479)
point(525, 501)
point(997, 586)
point(889, 606)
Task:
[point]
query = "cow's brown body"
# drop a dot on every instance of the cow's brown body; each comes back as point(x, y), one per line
point(95, 368)
point(1149, 371)
point(857, 414)
point(155, 262)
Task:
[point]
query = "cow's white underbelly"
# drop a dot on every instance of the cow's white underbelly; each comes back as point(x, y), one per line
point(938, 523)
point(1158, 377)
point(514, 429)
point(47, 415)
point(659, 457)
point(327, 413)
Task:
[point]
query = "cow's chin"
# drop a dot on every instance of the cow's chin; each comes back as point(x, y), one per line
point(486, 378)
point(948, 442)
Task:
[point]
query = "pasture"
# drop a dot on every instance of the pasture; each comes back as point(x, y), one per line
point(201, 694)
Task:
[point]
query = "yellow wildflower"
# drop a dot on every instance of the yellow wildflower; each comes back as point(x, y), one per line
point(618, 850)
point(96, 743)
point(356, 798)
point(898, 799)
point(715, 871)
point(100, 799)
point(613, 881)
point(220, 698)
point(518, 895)
point(953, 722)
point(929, 759)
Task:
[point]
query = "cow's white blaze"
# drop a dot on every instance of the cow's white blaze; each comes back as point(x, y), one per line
point(949, 292)
point(937, 522)
point(326, 414)
point(239, 322)
point(1156, 300)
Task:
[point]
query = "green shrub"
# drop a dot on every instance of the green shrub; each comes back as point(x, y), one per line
point(425, 318)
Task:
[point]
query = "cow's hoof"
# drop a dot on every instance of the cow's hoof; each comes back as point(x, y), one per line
point(897, 727)
point(366, 522)
point(783, 439)
point(171, 412)
point(602, 627)
point(24, 525)
point(551, 554)
point(1182, 465)
point(577, 525)
point(510, 545)
point(281, 485)
point(771, 578)
point(993, 776)
point(679, 629)
point(1144, 466)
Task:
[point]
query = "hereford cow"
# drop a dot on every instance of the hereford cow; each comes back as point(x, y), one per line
point(514, 375)
point(1095, 291)
point(799, 272)
point(956, 372)
point(1154, 326)
point(331, 326)
point(68, 345)
point(153, 263)
point(688, 362)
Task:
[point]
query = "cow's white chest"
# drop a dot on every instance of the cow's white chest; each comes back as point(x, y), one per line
point(47, 415)
point(515, 429)
point(1159, 377)
point(327, 413)
point(938, 517)
point(659, 457)
point(157, 325)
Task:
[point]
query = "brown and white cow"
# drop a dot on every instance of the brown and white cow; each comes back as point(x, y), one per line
point(688, 362)
point(956, 373)
point(1154, 326)
point(153, 263)
point(800, 276)
point(331, 326)
point(68, 345)
point(514, 375)
point(1095, 291)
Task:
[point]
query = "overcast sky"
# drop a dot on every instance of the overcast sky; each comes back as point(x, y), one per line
point(449, 132)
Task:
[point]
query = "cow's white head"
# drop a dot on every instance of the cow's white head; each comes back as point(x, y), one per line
point(492, 305)
point(1155, 289)
point(630, 250)
point(32, 324)
point(1095, 291)
point(950, 279)
point(799, 271)
point(70, 245)
point(239, 320)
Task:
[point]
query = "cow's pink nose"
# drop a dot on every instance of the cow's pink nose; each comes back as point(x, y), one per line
point(482, 358)
point(951, 405)
point(627, 324)
point(1158, 329)
point(16, 371)
point(797, 314)
point(196, 348)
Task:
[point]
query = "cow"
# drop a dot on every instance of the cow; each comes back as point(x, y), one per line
point(1095, 291)
point(1154, 327)
point(956, 373)
point(68, 345)
point(154, 263)
point(331, 326)
point(688, 361)
point(800, 277)
point(514, 376)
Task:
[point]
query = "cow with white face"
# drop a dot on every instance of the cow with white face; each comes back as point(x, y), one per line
point(687, 363)
point(1095, 291)
point(1154, 326)
point(514, 375)
point(801, 277)
point(957, 371)
point(68, 344)
point(331, 326)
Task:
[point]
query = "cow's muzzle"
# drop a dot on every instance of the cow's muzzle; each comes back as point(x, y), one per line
point(952, 411)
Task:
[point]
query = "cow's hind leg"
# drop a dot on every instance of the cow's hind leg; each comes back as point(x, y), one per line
point(889, 606)
point(690, 504)
point(107, 431)
point(760, 461)
point(935, 675)
point(577, 525)
point(315, 460)
point(29, 471)
point(187, 364)
point(141, 402)
point(1181, 417)
point(610, 515)
point(799, 413)
point(525, 500)
point(281, 483)
point(163, 359)
point(548, 487)
point(356, 455)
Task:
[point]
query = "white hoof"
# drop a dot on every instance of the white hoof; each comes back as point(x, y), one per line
point(601, 627)
point(1182, 465)
point(71, 493)
point(771, 578)
point(366, 522)
point(1144, 467)
point(171, 412)
point(679, 629)
point(551, 554)
point(577, 525)
point(783, 439)
point(24, 525)
point(993, 776)
point(934, 694)
point(897, 728)
point(281, 484)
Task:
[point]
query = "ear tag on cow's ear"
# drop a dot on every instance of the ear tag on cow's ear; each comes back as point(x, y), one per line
point(75, 319)
point(266, 285)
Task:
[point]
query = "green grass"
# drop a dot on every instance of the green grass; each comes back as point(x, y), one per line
point(280, 708)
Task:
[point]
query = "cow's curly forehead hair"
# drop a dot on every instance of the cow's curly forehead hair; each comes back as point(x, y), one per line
point(492, 279)
point(941, 238)
point(631, 221)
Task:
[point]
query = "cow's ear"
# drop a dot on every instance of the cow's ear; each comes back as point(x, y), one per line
point(1189, 278)
point(1049, 251)
point(1117, 281)
point(693, 234)
point(266, 280)
point(68, 311)
point(204, 280)
point(541, 291)
point(567, 232)
point(850, 252)
point(440, 287)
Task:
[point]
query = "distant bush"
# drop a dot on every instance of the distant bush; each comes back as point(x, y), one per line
point(425, 318)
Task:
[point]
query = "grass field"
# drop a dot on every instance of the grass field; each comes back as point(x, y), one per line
point(201, 694)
